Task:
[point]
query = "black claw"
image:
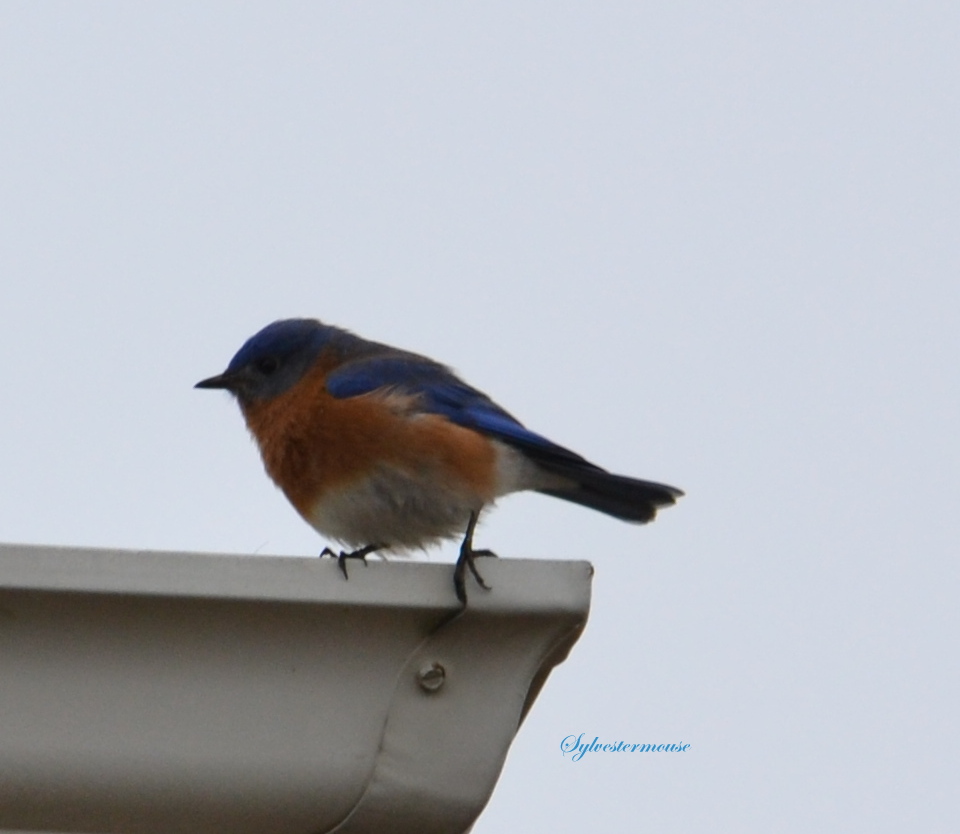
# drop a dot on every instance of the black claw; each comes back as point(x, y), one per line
point(466, 560)
point(343, 555)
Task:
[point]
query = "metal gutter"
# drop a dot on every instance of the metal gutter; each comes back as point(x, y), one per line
point(145, 692)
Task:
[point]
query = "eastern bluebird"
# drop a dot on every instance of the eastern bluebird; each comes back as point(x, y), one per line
point(379, 448)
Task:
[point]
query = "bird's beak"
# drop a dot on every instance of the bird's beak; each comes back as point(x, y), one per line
point(225, 380)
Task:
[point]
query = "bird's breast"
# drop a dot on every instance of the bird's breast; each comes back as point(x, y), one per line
point(344, 463)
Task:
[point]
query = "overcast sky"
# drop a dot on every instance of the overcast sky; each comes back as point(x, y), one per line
point(714, 244)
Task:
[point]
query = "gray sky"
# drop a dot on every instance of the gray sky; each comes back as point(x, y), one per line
point(710, 244)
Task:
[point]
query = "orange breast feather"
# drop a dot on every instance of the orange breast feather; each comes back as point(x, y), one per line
point(312, 442)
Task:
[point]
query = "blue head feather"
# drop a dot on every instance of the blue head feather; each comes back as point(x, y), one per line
point(283, 339)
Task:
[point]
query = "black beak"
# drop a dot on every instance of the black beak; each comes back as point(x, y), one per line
point(224, 380)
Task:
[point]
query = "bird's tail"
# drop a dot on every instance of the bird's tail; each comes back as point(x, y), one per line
point(629, 499)
point(573, 478)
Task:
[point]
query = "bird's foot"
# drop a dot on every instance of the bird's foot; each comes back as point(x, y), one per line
point(343, 555)
point(466, 560)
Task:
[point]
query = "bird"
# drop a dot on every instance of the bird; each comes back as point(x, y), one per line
point(382, 449)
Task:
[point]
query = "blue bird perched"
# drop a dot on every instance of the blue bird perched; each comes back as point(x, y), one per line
point(379, 448)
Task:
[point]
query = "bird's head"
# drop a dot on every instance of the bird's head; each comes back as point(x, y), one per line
point(273, 360)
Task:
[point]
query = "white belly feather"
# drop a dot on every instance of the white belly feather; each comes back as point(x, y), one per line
point(407, 509)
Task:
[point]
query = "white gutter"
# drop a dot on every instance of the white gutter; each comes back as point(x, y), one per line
point(169, 693)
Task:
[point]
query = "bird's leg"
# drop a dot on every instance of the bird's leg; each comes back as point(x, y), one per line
point(465, 560)
point(343, 555)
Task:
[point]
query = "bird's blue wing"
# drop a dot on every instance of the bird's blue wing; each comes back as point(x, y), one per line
point(439, 391)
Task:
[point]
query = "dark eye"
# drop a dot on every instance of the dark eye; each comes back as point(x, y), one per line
point(267, 365)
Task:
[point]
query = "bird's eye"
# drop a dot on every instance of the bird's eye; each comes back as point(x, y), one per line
point(267, 365)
